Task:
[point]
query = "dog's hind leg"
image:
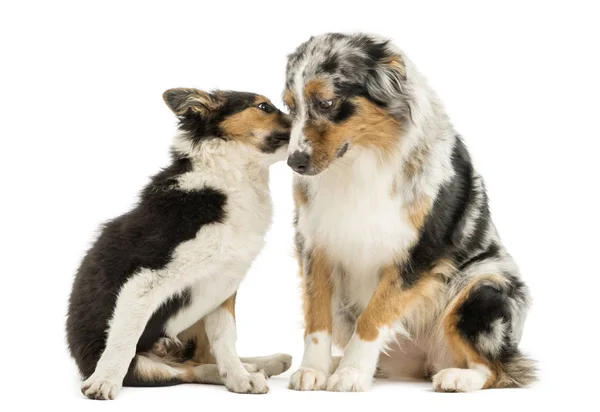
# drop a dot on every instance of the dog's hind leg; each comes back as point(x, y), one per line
point(480, 335)
point(272, 365)
point(195, 338)
point(221, 332)
point(149, 370)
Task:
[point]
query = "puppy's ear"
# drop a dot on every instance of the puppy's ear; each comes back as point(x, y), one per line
point(184, 101)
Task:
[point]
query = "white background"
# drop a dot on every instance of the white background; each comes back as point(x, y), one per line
point(83, 126)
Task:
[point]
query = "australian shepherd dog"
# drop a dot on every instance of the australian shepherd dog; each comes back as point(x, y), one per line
point(401, 263)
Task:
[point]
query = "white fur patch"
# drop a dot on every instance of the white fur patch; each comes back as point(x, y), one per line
point(316, 363)
point(461, 380)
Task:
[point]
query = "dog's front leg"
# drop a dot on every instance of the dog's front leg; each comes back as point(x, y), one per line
point(221, 333)
point(317, 286)
point(136, 302)
point(374, 328)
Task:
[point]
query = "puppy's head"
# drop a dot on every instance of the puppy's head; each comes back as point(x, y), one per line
point(344, 92)
point(247, 118)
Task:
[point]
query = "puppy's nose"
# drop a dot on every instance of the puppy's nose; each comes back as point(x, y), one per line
point(299, 161)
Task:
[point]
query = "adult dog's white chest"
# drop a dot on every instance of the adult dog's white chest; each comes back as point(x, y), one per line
point(358, 218)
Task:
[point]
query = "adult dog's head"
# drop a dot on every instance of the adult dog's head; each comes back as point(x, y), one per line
point(344, 92)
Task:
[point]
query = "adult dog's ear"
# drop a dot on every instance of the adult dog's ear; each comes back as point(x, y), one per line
point(187, 101)
point(388, 82)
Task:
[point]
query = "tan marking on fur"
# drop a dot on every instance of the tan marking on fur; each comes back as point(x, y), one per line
point(397, 63)
point(391, 301)
point(370, 126)
point(300, 263)
point(289, 99)
point(444, 268)
point(415, 162)
point(153, 369)
point(375, 127)
point(243, 125)
point(150, 369)
point(197, 332)
point(318, 89)
point(315, 341)
point(318, 291)
point(300, 194)
point(229, 305)
point(462, 351)
point(418, 211)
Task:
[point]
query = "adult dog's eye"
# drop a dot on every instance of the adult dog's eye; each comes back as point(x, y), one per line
point(325, 104)
point(266, 107)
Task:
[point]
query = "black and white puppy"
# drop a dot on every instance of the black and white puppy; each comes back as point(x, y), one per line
point(180, 254)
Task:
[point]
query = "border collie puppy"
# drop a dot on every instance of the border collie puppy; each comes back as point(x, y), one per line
point(396, 245)
point(176, 259)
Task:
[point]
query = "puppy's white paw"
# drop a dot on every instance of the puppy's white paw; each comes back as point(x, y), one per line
point(308, 379)
point(100, 388)
point(458, 380)
point(349, 380)
point(254, 382)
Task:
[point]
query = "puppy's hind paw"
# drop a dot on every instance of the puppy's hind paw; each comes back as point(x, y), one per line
point(168, 347)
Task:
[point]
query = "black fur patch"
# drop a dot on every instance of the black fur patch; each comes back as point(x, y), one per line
point(275, 141)
point(156, 325)
point(145, 237)
point(330, 64)
point(490, 253)
point(442, 223)
point(484, 305)
point(344, 112)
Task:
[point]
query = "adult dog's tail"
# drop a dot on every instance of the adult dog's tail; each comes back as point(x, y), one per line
point(516, 371)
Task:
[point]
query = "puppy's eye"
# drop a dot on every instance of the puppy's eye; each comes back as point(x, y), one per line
point(325, 104)
point(266, 107)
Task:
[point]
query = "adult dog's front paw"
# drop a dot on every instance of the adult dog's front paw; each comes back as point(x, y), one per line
point(254, 382)
point(308, 379)
point(349, 379)
point(100, 388)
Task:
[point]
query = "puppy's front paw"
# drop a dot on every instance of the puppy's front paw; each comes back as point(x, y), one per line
point(100, 388)
point(254, 382)
point(349, 380)
point(308, 379)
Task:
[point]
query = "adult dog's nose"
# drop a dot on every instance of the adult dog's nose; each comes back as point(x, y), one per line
point(299, 161)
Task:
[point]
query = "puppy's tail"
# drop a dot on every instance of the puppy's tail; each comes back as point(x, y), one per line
point(517, 371)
